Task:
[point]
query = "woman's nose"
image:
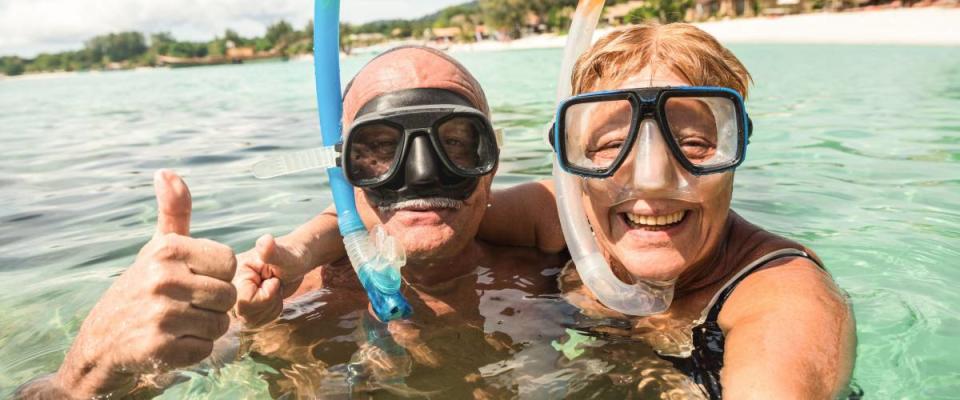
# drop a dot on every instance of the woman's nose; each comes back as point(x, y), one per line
point(654, 168)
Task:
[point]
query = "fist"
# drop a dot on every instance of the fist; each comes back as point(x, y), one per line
point(267, 274)
point(164, 312)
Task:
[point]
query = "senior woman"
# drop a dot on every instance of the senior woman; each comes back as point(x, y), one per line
point(656, 129)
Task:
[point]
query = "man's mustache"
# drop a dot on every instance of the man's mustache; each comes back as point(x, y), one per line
point(424, 203)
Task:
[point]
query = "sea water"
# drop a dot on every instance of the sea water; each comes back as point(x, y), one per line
point(855, 153)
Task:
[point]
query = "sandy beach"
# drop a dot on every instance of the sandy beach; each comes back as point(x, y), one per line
point(913, 26)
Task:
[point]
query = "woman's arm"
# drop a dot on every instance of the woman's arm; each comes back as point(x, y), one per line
point(274, 268)
point(524, 215)
point(790, 334)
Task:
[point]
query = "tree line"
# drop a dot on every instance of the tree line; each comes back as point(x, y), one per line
point(134, 49)
point(511, 18)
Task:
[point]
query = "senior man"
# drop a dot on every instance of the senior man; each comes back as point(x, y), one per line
point(421, 148)
point(424, 154)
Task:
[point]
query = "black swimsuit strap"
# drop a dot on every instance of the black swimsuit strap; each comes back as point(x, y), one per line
point(721, 297)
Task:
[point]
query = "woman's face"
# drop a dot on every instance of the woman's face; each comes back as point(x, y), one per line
point(653, 217)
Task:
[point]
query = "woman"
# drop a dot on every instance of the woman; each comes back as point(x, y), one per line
point(753, 315)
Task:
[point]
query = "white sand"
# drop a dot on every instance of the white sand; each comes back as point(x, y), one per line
point(927, 26)
point(921, 26)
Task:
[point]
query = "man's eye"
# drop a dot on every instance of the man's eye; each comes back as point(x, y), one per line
point(697, 148)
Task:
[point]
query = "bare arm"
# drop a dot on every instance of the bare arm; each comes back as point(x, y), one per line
point(790, 334)
point(320, 237)
point(524, 215)
point(274, 269)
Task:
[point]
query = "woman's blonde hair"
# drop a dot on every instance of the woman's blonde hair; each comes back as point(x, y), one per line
point(685, 49)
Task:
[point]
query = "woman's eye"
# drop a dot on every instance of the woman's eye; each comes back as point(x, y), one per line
point(606, 150)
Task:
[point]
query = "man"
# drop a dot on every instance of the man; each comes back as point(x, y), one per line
point(432, 209)
point(420, 144)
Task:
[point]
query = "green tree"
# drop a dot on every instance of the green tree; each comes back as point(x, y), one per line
point(232, 36)
point(217, 48)
point(279, 34)
point(506, 14)
point(665, 11)
point(346, 44)
point(11, 66)
point(117, 46)
point(642, 14)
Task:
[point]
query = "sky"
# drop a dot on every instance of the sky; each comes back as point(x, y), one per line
point(30, 27)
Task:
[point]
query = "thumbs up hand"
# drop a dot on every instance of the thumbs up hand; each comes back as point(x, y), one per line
point(164, 312)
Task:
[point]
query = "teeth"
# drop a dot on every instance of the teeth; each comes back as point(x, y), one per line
point(658, 220)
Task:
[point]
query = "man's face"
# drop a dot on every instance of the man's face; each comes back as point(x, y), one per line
point(430, 230)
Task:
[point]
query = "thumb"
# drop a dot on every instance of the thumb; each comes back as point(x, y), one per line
point(267, 249)
point(173, 203)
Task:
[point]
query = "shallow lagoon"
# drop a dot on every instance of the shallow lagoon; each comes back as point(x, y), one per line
point(855, 153)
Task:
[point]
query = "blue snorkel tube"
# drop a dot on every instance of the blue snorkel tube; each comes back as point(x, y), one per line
point(377, 262)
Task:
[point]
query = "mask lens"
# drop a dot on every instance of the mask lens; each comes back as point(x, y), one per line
point(704, 128)
point(463, 143)
point(373, 150)
point(595, 132)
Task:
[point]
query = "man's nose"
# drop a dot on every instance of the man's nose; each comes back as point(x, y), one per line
point(654, 167)
point(422, 166)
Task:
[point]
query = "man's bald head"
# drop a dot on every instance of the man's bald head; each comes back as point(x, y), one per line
point(411, 67)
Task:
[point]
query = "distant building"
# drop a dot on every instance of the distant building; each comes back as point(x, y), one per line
point(237, 53)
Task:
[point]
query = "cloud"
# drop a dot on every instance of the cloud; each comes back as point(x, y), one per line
point(28, 27)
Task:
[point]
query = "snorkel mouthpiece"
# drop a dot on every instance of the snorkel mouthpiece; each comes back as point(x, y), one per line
point(376, 260)
point(642, 297)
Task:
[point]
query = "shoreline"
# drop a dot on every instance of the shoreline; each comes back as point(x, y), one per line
point(928, 26)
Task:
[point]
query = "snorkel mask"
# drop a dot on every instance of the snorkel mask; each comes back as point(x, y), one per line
point(419, 143)
point(671, 138)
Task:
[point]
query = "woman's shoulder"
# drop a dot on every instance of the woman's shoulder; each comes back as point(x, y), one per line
point(784, 283)
point(748, 242)
point(787, 321)
point(791, 285)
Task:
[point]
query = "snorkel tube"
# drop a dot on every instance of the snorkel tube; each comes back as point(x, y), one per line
point(377, 263)
point(642, 297)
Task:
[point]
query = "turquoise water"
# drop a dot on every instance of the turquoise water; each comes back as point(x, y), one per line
point(855, 153)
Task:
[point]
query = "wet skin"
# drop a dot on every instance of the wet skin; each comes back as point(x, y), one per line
point(438, 351)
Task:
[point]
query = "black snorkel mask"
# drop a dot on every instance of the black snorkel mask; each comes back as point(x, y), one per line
point(419, 143)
